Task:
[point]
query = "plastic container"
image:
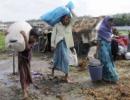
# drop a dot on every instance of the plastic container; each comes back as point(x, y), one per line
point(94, 62)
point(95, 72)
point(53, 17)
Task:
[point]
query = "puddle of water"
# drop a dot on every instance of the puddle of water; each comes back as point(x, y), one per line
point(6, 66)
point(6, 69)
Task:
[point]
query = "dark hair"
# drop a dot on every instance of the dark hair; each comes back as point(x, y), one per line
point(34, 32)
point(62, 18)
point(111, 19)
point(129, 34)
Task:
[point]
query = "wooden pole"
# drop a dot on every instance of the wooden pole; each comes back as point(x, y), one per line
point(14, 62)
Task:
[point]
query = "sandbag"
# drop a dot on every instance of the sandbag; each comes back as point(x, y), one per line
point(55, 15)
point(14, 39)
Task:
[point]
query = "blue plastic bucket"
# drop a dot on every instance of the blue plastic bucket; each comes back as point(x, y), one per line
point(95, 72)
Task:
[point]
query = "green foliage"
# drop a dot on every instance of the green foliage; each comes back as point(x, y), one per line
point(122, 20)
point(2, 41)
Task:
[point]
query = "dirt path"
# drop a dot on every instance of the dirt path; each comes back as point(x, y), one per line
point(49, 88)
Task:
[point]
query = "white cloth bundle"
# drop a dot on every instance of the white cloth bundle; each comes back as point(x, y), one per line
point(14, 39)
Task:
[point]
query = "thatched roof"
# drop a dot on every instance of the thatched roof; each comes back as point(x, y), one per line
point(86, 24)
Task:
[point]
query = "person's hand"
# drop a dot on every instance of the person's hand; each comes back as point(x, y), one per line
point(113, 38)
point(22, 33)
point(25, 38)
point(52, 49)
point(72, 49)
point(6, 33)
point(109, 39)
point(96, 55)
point(77, 29)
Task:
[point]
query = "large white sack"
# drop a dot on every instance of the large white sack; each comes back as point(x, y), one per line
point(14, 35)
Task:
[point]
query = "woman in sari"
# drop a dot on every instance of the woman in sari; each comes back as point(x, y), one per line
point(104, 51)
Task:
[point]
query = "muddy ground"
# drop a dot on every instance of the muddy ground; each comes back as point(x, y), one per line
point(47, 87)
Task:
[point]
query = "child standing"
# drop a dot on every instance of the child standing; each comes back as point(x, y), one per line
point(24, 58)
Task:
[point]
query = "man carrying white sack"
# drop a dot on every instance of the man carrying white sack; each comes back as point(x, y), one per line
point(62, 41)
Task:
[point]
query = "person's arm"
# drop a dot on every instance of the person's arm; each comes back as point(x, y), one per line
point(6, 33)
point(73, 18)
point(25, 38)
point(53, 37)
point(97, 50)
point(73, 14)
point(81, 27)
point(108, 39)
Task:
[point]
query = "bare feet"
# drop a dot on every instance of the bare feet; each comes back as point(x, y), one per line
point(25, 94)
point(110, 82)
point(68, 80)
point(27, 98)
